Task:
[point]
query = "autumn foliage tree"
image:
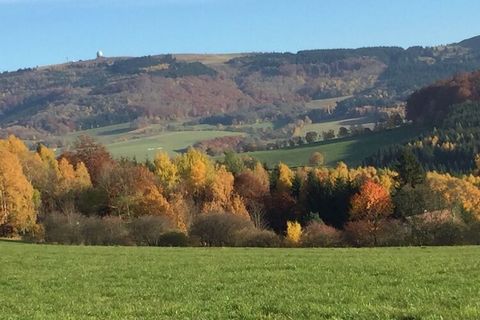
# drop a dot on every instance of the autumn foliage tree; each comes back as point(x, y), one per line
point(17, 208)
point(92, 154)
point(372, 204)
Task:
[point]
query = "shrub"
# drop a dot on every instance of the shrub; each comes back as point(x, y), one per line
point(35, 234)
point(437, 228)
point(92, 231)
point(472, 234)
point(64, 228)
point(357, 234)
point(318, 234)
point(106, 231)
point(173, 239)
point(147, 230)
point(218, 229)
point(253, 237)
point(393, 233)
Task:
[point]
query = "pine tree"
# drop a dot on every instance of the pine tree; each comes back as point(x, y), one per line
point(409, 169)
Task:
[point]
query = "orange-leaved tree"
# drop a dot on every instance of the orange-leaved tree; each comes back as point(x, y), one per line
point(372, 204)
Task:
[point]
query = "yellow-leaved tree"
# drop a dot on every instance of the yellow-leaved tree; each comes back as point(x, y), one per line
point(17, 209)
point(285, 178)
point(166, 170)
point(294, 232)
point(220, 196)
point(196, 170)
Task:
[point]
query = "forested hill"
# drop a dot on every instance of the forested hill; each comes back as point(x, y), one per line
point(83, 94)
point(451, 109)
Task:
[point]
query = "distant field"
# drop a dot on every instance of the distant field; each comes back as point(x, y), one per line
point(326, 103)
point(122, 141)
point(336, 124)
point(147, 147)
point(70, 282)
point(350, 150)
point(208, 58)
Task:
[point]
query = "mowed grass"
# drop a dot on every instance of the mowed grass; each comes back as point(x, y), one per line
point(334, 125)
point(171, 142)
point(325, 103)
point(350, 150)
point(122, 141)
point(76, 282)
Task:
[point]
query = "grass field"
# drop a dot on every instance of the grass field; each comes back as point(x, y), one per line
point(70, 282)
point(350, 150)
point(120, 140)
point(147, 147)
point(325, 103)
point(336, 124)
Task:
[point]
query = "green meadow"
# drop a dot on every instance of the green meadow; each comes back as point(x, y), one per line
point(350, 150)
point(122, 141)
point(79, 282)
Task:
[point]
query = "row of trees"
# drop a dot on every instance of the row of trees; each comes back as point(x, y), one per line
point(233, 202)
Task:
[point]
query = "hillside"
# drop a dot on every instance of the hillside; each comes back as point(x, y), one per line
point(86, 94)
point(449, 112)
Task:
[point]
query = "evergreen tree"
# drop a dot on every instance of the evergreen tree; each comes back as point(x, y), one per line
point(409, 169)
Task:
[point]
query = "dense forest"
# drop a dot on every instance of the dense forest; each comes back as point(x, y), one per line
point(450, 112)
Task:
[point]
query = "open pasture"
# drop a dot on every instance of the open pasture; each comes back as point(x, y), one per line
point(77, 282)
point(349, 150)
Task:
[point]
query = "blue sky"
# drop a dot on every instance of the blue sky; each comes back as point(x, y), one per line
point(40, 32)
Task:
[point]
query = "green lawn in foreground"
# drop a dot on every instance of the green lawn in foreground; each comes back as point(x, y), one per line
point(350, 150)
point(71, 282)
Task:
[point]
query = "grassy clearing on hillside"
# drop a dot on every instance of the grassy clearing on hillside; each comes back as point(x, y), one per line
point(70, 282)
point(350, 150)
point(325, 103)
point(208, 59)
point(334, 125)
point(147, 147)
point(120, 140)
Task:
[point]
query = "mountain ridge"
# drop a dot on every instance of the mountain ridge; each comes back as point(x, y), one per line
point(67, 97)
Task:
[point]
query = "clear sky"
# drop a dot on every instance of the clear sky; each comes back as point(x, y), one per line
point(40, 32)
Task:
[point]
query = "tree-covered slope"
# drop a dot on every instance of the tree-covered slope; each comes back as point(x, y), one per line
point(78, 95)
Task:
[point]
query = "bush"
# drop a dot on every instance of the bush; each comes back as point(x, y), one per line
point(74, 228)
point(106, 231)
point(148, 230)
point(357, 234)
point(35, 234)
point(173, 239)
point(472, 234)
point(64, 228)
point(92, 231)
point(114, 231)
point(318, 234)
point(253, 237)
point(437, 229)
point(394, 233)
point(218, 229)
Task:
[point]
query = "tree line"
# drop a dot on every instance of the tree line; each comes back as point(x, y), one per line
point(85, 196)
